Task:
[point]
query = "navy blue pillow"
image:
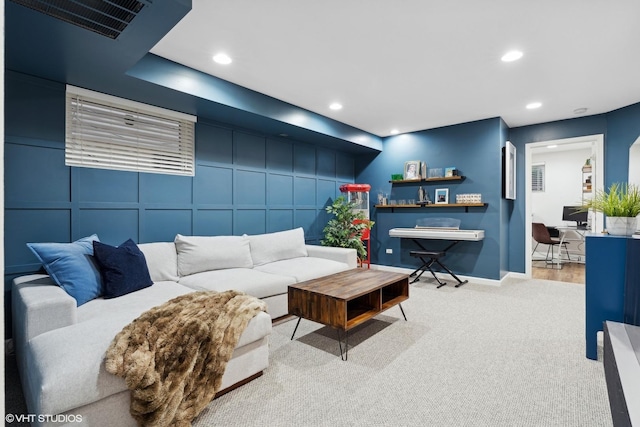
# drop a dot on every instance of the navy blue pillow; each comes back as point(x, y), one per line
point(123, 268)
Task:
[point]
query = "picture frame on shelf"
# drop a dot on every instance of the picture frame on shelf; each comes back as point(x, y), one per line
point(442, 196)
point(450, 172)
point(412, 169)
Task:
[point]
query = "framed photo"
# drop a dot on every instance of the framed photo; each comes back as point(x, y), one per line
point(442, 196)
point(412, 169)
point(509, 171)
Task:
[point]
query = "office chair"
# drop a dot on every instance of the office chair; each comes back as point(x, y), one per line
point(541, 235)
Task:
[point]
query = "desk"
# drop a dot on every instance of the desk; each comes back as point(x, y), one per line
point(572, 234)
point(455, 236)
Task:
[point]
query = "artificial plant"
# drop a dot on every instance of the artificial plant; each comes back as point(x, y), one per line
point(622, 200)
point(345, 229)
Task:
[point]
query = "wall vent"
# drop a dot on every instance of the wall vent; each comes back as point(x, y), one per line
point(106, 17)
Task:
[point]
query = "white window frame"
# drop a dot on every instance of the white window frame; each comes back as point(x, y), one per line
point(106, 132)
point(538, 182)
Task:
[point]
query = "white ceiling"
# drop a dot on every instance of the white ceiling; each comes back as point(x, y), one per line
point(419, 64)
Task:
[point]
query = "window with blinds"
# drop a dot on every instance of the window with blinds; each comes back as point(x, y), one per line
point(106, 132)
point(537, 177)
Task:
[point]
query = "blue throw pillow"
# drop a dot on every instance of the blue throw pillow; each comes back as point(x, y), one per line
point(123, 268)
point(72, 267)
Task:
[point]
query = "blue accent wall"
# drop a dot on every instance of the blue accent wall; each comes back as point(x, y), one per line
point(506, 208)
point(620, 129)
point(521, 136)
point(475, 149)
point(623, 128)
point(244, 183)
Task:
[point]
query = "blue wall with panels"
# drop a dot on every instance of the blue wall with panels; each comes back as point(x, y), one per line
point(475, 150)
point(244, 183)
point(250, 183)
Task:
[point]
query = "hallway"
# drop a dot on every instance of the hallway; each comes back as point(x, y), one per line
point(570, 272)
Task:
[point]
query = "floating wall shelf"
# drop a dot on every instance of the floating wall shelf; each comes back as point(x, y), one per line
point(418, 181)
point(466, 206)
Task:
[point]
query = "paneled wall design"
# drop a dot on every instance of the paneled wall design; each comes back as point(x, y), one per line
point(244, 183)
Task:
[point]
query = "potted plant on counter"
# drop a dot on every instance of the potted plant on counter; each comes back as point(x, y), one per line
point(346, 228)
point(620, 204)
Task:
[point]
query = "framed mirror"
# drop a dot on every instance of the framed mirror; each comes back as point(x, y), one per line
point(634, 163)
point(634, 168)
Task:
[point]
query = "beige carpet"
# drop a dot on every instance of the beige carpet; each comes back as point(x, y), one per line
point(471, 356)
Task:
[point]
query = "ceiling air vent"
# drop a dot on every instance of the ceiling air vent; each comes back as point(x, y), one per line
point(106, 17)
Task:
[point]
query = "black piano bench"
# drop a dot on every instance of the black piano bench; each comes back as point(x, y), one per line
point(433, 257)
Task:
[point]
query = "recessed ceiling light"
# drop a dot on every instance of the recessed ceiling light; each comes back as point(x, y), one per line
point(511, 56)
point(394, 131)
point(222, 58)
point(336, 106)
point(580, 110)
point(534, 105)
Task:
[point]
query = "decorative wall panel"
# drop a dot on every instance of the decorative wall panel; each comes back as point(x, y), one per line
point(304, 160)
point(249, 150)
point(34, 174)
point(216, 144)
point(24, 226)
point(157, 188)
point(280, 156)
point(250, 188)
point(305, 191)
point(113, 226)
point(244, 183)
point(162, 225)
point(212, 185)
point(280, 190)
point(250, 221)
point(90, 185)
point(213, 222)
point(280, 220)
point(326, 164)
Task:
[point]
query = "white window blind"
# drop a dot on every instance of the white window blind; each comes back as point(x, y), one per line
point(537, 177)
point(106, 132)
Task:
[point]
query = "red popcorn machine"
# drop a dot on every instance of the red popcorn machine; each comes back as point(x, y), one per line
point(358, 194)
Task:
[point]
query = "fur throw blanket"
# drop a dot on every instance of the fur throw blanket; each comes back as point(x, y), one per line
point(173, 356)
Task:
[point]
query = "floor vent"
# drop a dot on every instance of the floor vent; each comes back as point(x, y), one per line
point(106, 17)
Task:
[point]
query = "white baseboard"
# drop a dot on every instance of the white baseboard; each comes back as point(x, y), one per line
point(444, 276)
point(514, 275)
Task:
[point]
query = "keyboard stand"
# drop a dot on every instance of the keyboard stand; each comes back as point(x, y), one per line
point(433, 257)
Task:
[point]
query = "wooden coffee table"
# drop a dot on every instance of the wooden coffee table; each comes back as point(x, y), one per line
point(347, 299)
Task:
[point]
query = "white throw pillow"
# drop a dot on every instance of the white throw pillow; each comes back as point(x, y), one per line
point(272, 247)
point(205, 253)
point(162, 260)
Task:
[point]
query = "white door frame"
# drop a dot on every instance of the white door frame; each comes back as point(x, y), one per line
point(597, 160)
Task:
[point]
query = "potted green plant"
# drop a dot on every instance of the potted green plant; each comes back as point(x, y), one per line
point(620, 204)
point(345, 229)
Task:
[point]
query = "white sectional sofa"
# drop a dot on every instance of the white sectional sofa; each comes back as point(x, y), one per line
point(60, 346)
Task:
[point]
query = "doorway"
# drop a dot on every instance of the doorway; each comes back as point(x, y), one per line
point(595, 146)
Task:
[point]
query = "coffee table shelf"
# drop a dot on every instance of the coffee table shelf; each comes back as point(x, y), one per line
point(348, 299)
point(394, 294)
